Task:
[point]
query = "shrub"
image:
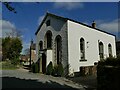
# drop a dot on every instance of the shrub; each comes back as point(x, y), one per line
point(55, 70)
point(15, 61)
point(35, 67)
point(49, 69)
point(108, 75)
point(60, 69)
point(111, 61)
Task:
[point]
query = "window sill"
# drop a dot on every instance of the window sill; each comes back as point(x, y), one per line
point(83, 60)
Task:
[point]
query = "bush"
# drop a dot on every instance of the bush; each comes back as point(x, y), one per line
point(49, 69)
point(15, 61)
point(111, 61)
point(35, 67)
point(58, 70)
point(108, 71)
point(55, 70)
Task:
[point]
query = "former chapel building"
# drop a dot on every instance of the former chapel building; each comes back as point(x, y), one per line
point(72, 43)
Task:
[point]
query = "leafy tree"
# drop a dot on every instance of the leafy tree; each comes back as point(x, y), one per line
point(11, 48)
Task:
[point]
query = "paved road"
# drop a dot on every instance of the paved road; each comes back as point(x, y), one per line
point(24, 79)
point(90, 82)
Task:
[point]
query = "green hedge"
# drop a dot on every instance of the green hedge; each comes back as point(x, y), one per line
point(110, 61)
point(108, 74)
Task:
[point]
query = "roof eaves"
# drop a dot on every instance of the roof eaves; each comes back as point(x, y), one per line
point(70, 20)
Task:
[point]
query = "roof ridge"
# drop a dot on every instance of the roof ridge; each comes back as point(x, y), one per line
point(48, 13)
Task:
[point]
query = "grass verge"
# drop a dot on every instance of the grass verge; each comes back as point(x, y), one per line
point(6, 65)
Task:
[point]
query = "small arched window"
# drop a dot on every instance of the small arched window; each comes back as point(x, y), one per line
point(48, 23)
point(82, 49)
point(110, 50)
point(101, 50)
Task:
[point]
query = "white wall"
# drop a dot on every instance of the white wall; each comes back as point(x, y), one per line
point(75, 32)
point(49, 56)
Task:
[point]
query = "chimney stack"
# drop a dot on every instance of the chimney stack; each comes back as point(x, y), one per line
point(93, 24)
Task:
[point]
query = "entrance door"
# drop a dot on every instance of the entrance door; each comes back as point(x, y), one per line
point(43, 63)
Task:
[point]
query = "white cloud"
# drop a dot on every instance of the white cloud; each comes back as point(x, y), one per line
point(108, 26)
point(40, 19)
point(25, 46)
point(111, 26)
point(6, 28)
point(68, 5)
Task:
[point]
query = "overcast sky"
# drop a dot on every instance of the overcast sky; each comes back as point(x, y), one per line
point(30, 14)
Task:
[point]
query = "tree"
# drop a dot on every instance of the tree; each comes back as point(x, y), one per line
point(11, 48)
point(9, 7)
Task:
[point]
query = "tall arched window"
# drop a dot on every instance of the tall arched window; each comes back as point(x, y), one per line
point(82, 49)
point(101, 50)
point(48, 40)
point(41, 45)
point(110, 50)
point(58, 41)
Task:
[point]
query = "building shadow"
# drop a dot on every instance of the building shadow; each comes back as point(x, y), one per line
point(12, 82)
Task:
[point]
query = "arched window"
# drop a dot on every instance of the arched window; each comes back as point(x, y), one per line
point(48, 40)
point(101, 50)
point(110, 50)
point(82, 49)
point(58, 41)
point(41, 45)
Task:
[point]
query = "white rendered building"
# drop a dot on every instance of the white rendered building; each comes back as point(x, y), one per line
point(72, 43)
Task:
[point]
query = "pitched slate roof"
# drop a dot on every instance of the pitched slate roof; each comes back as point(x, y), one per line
point(65, 19)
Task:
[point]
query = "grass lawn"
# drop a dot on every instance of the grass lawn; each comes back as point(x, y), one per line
point(6, 65)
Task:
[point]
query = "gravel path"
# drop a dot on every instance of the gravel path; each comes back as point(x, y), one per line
point(24, 79)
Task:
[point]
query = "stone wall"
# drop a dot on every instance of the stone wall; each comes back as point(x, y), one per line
point(87, 70)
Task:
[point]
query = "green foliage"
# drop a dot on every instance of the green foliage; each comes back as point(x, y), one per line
point(11, 49)
point(111, 61)
point(108, 71)
point(35, 67)
point(15, 61)
point(49, 69)
point(58, 70)
point(55, 70)
point(7, 65)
